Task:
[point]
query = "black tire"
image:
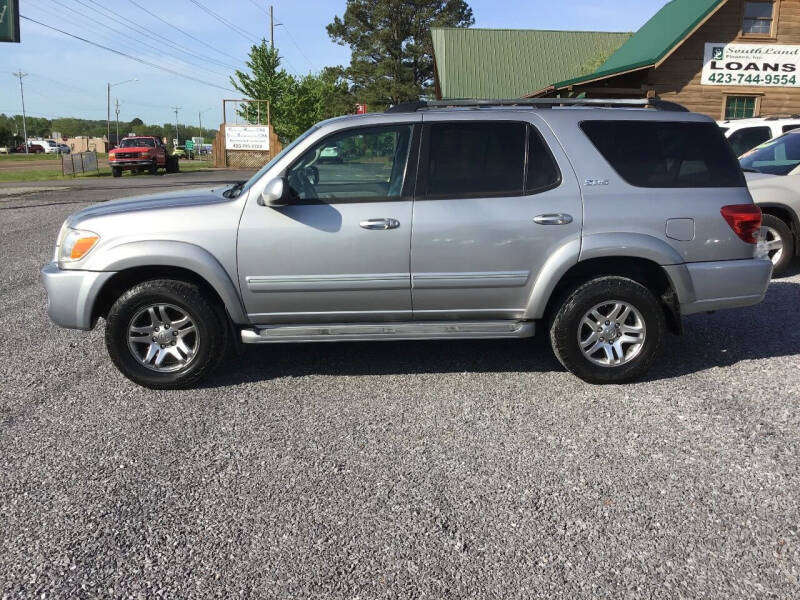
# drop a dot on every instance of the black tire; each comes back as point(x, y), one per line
point(782, 231)
point(209, 320)
point(566, 327)
point(154, 167)
point(116, 172)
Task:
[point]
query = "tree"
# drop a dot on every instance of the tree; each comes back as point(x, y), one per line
point(266, 81)
point(296, 103)
point(392, 49)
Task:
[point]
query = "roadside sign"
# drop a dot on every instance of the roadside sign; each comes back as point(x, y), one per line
point(189, 145)
point(361, 109)
point(246, 137)
point(9, 21)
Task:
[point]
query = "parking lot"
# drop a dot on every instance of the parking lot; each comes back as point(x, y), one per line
point(413, 470)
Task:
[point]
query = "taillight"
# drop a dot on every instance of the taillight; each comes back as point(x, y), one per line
point(744, 219)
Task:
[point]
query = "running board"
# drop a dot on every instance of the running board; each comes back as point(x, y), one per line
point(425, 330)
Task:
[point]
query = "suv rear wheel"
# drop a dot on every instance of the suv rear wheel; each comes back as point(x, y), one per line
point(608, 330)
point(165, 334)
point(780, 243)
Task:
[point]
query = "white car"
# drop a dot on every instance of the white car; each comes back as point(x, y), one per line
point(50, 146)
point(746, 134)
point(773, 176)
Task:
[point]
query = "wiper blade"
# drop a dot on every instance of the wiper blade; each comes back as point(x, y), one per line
point(235, 190)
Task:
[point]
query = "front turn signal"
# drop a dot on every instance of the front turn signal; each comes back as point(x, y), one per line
point(76, 244)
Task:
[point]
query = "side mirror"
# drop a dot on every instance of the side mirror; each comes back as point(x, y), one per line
point(275, 194)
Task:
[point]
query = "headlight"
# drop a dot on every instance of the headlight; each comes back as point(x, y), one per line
point(75, 244)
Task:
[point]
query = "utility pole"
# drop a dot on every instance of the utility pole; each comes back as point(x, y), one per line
point(20, 74)
point(271, 29)
point(108, 116)
point(177, 137)
point(117, 111)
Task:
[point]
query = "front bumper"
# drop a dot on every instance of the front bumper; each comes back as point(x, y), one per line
point(71, 295)
point(718, 285)
point(130, 163)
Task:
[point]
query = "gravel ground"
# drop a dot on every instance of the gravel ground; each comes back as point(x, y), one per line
point(404, 470)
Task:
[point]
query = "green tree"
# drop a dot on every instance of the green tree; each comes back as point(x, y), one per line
point(392, 49)
point(296, 103)
point(265, 81)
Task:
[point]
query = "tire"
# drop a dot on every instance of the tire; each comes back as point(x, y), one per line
point(153, 168)
point(606, 295)
point(170, 300)
point(779, 234)
point(116, 172)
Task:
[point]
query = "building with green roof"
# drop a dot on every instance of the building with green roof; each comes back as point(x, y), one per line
point(510, 63)
point(723, 58)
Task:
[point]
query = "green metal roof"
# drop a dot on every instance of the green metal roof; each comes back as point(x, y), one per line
point(668, 28)
point(509, 63)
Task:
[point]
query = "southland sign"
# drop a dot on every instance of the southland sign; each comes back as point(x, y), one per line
point(765, 65)
point(9, 20)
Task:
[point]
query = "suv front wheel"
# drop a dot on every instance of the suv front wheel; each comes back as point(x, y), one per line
point(608, 330)
point(165, 334)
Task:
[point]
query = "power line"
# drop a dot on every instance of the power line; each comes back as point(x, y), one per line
point(135, 58)
point(189, 35)
point(296, 45)
point(245, 34)
point(259, 7)
point(125, 22)
point(163, 53)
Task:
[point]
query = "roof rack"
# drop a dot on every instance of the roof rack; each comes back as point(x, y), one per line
point(656, 103)
point(777, 116)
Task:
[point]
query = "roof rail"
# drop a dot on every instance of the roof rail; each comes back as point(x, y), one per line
point(656, 103)
point(776, 116)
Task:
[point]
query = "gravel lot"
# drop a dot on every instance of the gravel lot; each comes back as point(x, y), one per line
point(405, 470)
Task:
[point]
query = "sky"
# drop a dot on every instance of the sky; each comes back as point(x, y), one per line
point(68, 77)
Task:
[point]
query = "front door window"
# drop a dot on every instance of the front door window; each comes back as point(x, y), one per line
point(366, 164)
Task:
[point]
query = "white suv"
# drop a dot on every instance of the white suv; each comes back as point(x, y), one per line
point(50, 146)
point(745, 134)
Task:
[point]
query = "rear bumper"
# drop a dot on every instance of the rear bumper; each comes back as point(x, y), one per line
point(707, 286)
point(71, 295)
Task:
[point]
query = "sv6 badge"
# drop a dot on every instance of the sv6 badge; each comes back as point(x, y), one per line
point(593, 182)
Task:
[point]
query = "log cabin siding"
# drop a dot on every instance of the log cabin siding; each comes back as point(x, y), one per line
point(677, 78)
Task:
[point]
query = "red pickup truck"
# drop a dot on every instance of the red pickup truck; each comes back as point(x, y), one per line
point(141, 153)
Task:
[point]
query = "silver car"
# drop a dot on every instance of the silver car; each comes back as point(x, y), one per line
point(598, 223)
point(773, 176)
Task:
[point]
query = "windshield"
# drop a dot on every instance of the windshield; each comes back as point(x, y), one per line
point(276, 158)
point(777, 157)
point(137, 143)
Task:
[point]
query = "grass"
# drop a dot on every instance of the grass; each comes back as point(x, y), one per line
point(23, 157)
point(54, 174)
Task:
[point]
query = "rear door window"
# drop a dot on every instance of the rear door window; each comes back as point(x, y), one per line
point(748, 138)
point(786, 128)
point(664, 154)
point(475, 159)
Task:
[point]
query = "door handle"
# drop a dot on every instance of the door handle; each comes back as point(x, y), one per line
point(553, 219)
point(380, 224)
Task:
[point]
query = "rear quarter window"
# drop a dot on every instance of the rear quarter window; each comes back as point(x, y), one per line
point(664, 154)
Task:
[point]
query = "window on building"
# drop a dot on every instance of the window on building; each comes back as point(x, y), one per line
point(758, 17)
point(666, 154)
point(476, 159)
point(748, 138)
point(740, 107)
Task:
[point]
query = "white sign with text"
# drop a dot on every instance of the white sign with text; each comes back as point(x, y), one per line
point(246, 137)
point(763, 65)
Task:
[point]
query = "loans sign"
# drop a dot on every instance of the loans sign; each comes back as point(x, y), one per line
point(246, 137)
point(9, 20)
point(751, 64)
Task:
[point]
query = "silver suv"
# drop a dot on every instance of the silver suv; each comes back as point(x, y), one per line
point(599, 223)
